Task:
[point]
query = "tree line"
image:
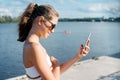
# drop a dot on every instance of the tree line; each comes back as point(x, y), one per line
point(9, 19)
point(101, 19)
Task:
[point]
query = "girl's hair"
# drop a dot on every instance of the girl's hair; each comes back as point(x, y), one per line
point(31, 12)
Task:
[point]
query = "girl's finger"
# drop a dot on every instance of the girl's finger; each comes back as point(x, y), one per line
point(85, 52)
point(87, 48)
point(81, 49)
point(52, 58)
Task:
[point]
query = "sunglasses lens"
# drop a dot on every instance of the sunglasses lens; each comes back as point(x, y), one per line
point(53, 26)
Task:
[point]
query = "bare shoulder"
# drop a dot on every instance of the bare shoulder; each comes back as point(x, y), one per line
point(33, 48)
point(37, 54)
point(36, 47)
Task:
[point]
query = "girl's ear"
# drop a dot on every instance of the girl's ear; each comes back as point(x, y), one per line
point(40, 19)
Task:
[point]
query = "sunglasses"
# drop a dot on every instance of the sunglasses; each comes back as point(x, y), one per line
point(52, 25)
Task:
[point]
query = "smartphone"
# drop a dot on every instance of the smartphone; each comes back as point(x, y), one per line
point(88, 38)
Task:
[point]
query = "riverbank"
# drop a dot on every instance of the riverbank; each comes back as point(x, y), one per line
point(101, 68)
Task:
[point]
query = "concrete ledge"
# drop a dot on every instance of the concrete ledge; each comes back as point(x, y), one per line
point(94, 69)
point(22, 77)
point(101, 68)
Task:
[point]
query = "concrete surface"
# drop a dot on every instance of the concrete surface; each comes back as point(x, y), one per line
point(101, 68)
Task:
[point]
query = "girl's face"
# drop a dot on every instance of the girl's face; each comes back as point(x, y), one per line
point(47, 27)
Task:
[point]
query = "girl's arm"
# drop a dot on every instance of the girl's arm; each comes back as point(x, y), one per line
point(42, 65)
point(83, 51)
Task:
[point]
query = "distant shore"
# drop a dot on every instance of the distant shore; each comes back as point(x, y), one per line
point(9, 19)
point(101, 19)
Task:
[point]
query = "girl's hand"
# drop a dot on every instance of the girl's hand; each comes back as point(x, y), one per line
point(83, 50)
point(55, 67)
point(54, 61)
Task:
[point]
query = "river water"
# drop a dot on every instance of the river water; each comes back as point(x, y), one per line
point(105, 40)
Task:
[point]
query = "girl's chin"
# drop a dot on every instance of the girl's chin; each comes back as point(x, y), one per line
point(46, 36)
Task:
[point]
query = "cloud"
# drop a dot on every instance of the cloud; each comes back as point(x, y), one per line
point(4, 11)
point(60, 1)
point(97, 7)
point(19, 10)
point(103, 7)
point(110, 9)
point(66, 8)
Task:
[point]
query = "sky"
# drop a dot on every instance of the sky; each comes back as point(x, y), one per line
point(66, 8)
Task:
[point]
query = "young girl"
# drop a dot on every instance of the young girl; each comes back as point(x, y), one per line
point(39, 21)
